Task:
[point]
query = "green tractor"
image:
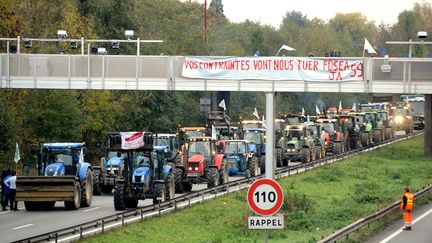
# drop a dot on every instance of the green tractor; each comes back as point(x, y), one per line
point(363, 126)
point(298, 144)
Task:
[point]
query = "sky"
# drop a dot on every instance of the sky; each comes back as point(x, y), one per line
point(271, 12)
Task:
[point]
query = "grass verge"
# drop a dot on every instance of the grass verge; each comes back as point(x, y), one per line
point(316, 204)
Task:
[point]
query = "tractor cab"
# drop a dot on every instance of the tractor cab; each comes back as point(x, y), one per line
point(59, 159)
point(237, 155)
point(200, 152)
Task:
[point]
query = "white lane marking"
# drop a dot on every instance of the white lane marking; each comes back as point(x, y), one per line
point(91, 209)
point(20, 227)
point(5, 212)
point(400, 230)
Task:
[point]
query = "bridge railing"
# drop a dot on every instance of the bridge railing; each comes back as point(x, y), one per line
point(53, 71)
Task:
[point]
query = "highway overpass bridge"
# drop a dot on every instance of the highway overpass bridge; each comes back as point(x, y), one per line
point(262, 74)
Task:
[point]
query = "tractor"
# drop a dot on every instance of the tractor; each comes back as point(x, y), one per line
point(257, 137)
point(201, 163)
point(240, 159)
point(363, 126)
point(402, 119)
point(298, 144)
point(314, 130)
point(146, 173)
point(104, 176)
point(279, 127)
point(62, 175)
point(353, 130)
point(335, 139)
point(169, 142)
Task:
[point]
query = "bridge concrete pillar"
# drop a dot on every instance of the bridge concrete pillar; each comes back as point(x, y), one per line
point(428, 125)
point(270, 143)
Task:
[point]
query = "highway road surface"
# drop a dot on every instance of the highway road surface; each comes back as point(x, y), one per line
point(17, 225)
point(421, 229)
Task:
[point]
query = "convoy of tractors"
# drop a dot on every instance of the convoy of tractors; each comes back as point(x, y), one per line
point(143, 165)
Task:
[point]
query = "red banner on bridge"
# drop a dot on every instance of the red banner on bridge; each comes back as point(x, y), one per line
point(273, 68)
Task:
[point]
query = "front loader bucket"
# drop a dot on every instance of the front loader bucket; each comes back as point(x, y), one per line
point(45, 188)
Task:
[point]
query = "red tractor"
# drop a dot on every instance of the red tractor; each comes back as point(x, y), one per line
point(335, 138)
point(201, 163)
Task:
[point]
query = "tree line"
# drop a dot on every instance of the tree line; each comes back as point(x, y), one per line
point(36, 116)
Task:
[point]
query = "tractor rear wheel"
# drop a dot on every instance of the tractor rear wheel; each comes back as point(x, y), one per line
point(170, 186)
point(305, 155)
point(253, 166)
point(96, 182)
point(262, 164)
point(377, 136)
point(365, 139)
point(178, 177)
point(278, 157)
point(75, 204)
point(212, 177)
point(388, 133)
point(159, 193)
point(87, 191)
point(337, 147)
point(317, 152)
point(119, 202)
point(223, 173)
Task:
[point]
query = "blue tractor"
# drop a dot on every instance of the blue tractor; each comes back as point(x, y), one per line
point(104, 176)
point(240, 160)
point(257, 137)
point(62, 175)
point(146, 173)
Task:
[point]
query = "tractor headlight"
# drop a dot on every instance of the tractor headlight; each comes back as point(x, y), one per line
point(196, 168)
point(190, 168)
point(399, 119)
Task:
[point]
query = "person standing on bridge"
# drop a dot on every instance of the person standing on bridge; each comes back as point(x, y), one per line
point(406, 206)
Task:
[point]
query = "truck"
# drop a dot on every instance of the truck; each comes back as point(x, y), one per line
point(200, 163)
point(146, 173)
point(416, 110)
point(240, 160)
point(63, 174)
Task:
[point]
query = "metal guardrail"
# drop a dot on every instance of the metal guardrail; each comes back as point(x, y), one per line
point(344, 232)
point(187, 199)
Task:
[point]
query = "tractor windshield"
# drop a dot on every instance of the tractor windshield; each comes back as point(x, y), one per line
point(253, 136)
point(251, 124)
point(293, 120)
point(189, 134)
point(231, 148)
point(328, 127)
point(199, 147)
point(60, 155)
point(161, 142)
point(140, 159)
point(370, 117)
point(112, 154)
point(295, 133)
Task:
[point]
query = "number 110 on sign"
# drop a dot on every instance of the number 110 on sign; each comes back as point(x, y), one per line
point(265, 197)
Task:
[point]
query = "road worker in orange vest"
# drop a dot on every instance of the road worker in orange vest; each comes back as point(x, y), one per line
point(406, 206)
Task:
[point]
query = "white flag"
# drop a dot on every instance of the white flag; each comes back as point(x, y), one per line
point(255, 113)
point(285, 47)
point(214, 135)
point(81, 158)
point(17, 154)
point(303, 111)
point(317, 110)
point(222, 104)
point(354, 107)
point(368, 47)
point(340, 105)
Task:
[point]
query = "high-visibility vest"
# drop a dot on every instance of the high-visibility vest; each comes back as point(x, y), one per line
point(410, 201)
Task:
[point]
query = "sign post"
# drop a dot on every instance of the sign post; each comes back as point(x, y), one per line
point(265, 197)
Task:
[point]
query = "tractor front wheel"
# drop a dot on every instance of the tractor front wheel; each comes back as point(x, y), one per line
point(119, 202)
point(178, 180)
point(159, 193)
point(96, 183)
point(87, 192)
point(212, 177)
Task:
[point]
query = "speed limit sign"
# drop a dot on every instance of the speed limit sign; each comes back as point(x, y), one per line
point(265, 196)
